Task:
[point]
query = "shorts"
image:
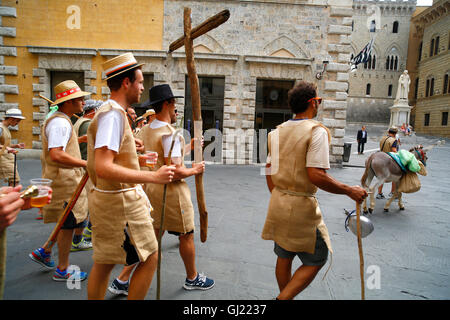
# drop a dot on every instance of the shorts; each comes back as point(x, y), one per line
point(319, 258)
point(71, 222)
point(132, 256)
point(179, 233)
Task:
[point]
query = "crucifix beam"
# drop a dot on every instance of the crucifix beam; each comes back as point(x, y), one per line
point(202, 28)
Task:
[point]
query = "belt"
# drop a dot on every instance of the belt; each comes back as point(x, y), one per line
point(295, 193)
point(137, 188)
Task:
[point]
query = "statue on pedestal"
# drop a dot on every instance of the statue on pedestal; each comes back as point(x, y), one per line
point(403, 86)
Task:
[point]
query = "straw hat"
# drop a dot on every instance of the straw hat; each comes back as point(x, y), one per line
point(14, 113)
point(147, 113)
point(120, 64)
point(68, 90)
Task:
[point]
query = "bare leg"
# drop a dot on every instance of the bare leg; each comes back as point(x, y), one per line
point(283, 272)
point(125, 274)
point(187, 253)
point(98, 280)
point(142, 278)
point(300, 280)
point(64, 241)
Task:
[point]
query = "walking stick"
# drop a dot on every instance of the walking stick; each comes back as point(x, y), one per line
point(52, 239)
point(15, 166)
point(361, 257)
point(158, 273)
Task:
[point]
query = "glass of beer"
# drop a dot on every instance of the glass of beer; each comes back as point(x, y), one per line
point(43, 186)
point(151, 158)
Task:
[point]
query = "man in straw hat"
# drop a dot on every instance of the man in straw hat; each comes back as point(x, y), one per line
point(122, 229)
point(179, 211)
point(7, 151)
point(294, 220)
point(62, 163)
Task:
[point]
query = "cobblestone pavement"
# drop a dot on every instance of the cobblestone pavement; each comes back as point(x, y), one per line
point(406, 257)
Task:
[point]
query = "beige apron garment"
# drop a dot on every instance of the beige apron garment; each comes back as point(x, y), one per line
point(76, 127)
point(65, 180)
point(7, 159)
point(114, 205)
point(179, 211)
point(386, 144)
point(294, 215)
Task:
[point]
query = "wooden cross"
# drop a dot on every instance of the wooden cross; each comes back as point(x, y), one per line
point(187, 41)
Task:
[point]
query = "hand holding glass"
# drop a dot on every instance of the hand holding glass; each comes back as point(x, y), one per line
point(151, 158)
point(43, 186)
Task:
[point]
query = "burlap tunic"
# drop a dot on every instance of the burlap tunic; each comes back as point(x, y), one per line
point(114, 205)
point(386, 144)
point(65, 180)
point(179, 211)
point(294, 214)
point(7, 159)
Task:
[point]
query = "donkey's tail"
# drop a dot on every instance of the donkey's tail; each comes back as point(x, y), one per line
point(366, 171)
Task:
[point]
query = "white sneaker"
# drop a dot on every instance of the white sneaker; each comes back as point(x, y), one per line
point(81, 246)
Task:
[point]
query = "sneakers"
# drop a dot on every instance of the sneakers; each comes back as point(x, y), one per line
point(81, 246)
point(390, 195)
point(64, 275)
point(44, 259)
point(117, 288)
point(87, 234)
point(200, 283)
point(380, 196)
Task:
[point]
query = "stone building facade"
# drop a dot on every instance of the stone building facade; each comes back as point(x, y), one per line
point(373, 85)
point(430, 89)
point(245, 66)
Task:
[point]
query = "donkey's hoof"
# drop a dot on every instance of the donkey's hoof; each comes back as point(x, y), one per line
point(365, 211)
point(386, 210)
point(402, 208)
point(370, 210)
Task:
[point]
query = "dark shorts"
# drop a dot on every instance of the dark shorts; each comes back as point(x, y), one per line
point(132, 256)
point(71, 223)
point(317, 259)
point(179, 233)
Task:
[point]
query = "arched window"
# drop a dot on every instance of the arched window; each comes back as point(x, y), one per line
point(396, 64)
point(387, 63)
point(436, 46)
point(391, 65)
point(368, 89)
point(420, 51)
point(427, 88)
point(445, 90)
point(416, 88)
point(395, 27)
point(432, 87)
point(390, 90)
point(374, 61)
point(431, 47)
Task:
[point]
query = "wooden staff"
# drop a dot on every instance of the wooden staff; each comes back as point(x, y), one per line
point(361, 257)
point(158, 272)
point(187, 40)
point(52, 239)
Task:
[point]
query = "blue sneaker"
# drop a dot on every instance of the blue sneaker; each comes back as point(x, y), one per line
point(44, 259)
point(117, 288)
point(200, 283)
point(64, 275)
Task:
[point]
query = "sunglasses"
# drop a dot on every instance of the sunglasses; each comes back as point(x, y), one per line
point(318, 99)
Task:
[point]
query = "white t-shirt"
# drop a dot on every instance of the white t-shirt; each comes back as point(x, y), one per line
point(167, 140)
point(317, 155)
point(58, 132)
point(109, 129)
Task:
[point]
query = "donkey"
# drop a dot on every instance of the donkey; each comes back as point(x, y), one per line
point(385, 169)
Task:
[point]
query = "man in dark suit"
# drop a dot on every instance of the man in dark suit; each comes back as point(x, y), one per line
point(362, 139)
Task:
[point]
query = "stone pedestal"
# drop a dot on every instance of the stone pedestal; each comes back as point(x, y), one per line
point(400, 113)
